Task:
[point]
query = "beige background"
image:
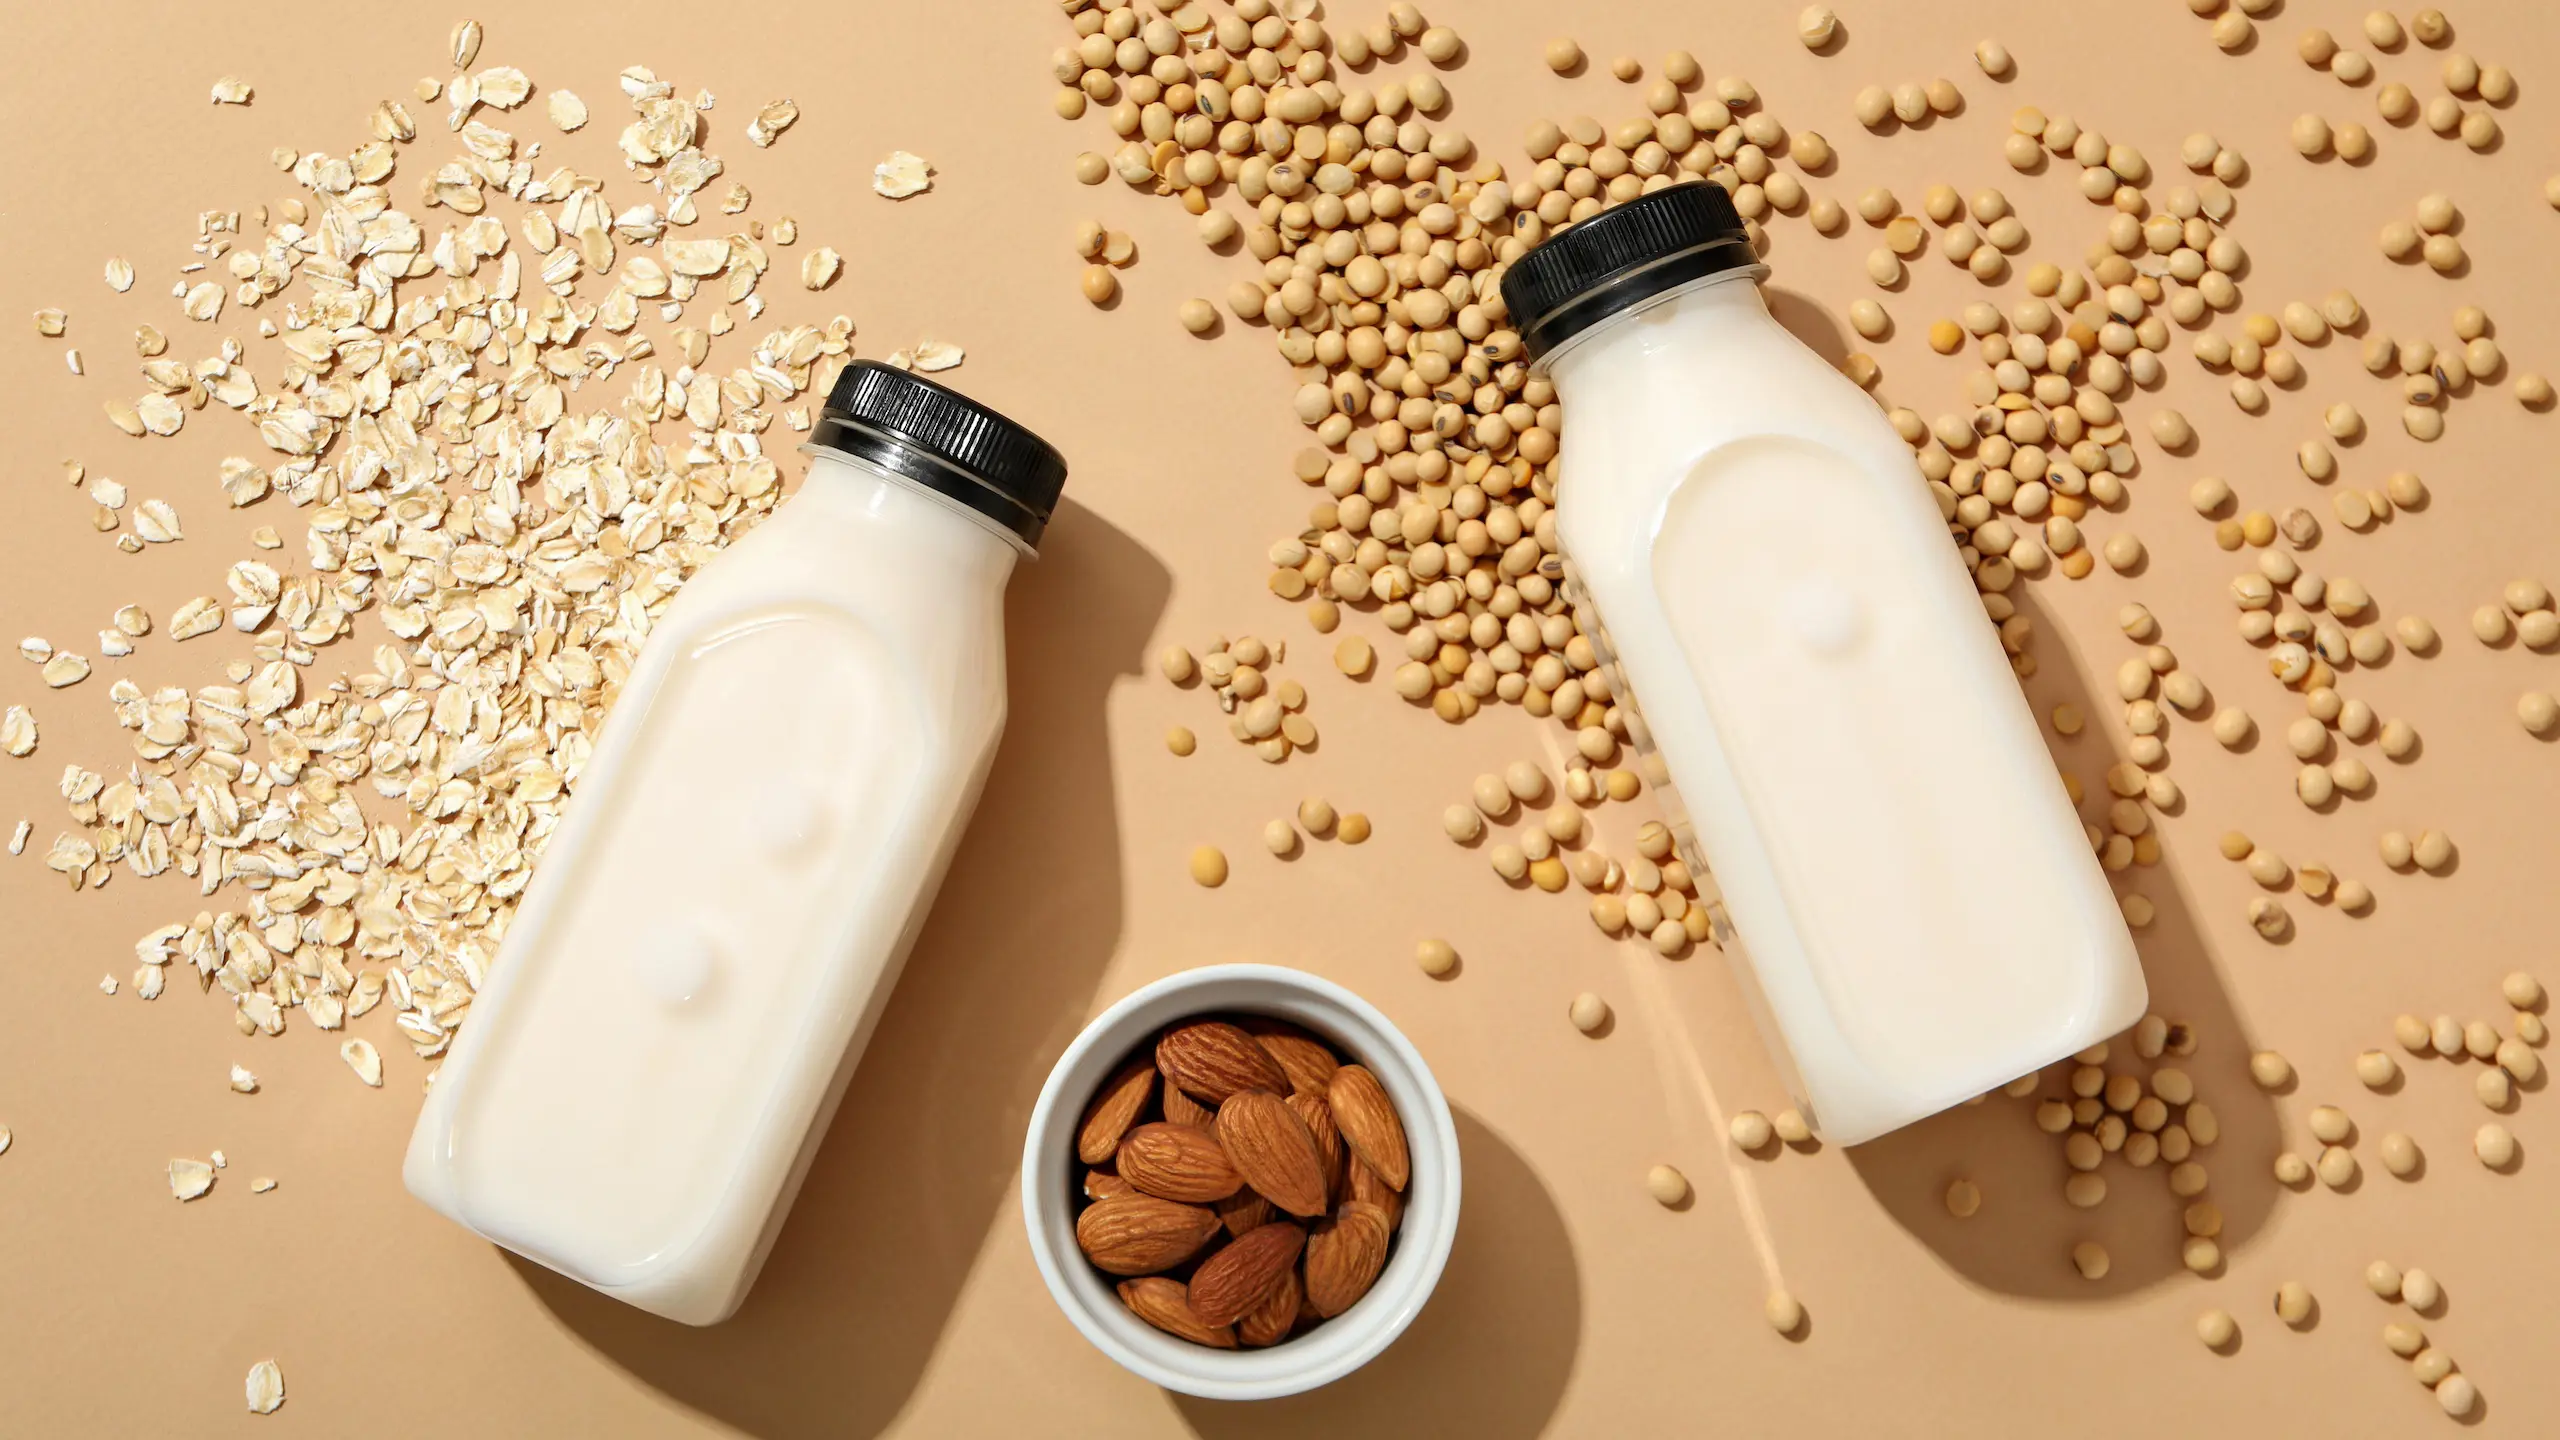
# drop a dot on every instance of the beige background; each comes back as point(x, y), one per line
point(902, 1299)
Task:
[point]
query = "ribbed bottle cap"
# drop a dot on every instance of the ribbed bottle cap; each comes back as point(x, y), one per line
point(1622, 257)
point(946, 442)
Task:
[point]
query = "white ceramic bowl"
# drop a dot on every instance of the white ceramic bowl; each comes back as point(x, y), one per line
point(1052, 1185)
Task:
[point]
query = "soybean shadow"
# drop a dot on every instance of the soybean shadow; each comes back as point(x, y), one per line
point(2020, 1241)
point(1489, 1356)
point(838, 1331)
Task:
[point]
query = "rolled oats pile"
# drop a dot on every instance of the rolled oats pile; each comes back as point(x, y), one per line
point(468, 399)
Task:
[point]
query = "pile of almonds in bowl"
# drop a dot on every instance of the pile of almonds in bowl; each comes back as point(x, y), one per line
point(1244, 1180)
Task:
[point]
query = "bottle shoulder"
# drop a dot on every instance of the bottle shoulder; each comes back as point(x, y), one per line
point(936, 632)
point(1632, 447)
point(828, 548)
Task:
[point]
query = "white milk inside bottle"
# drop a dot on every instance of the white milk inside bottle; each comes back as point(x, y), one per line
point(712, 932)
point(1810, 681)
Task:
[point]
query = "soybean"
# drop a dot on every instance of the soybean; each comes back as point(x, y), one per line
point(1667, 1186)
point(2399, 1154)
point(1209, 866)
point(1784, 1312)
point(2419, 1289)
point(2293, 1303)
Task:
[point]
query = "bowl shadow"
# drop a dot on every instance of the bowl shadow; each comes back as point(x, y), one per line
point(2020, 1242)
point(840, 1326)
point(1488, 1357)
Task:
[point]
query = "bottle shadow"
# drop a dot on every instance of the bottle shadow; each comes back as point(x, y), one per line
point(2020, 1242)
point(836, 1334)
point(1487, 1358)
point(1806, 319)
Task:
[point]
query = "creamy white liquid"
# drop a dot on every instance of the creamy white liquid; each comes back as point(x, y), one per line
point(1834, 715)
point(710, 936)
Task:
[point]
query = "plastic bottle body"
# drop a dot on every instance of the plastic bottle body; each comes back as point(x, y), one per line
point(1813, 687)
point(710, 935)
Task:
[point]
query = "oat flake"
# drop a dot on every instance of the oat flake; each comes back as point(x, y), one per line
point(18, 731)
point(157, 414)
point(189, 1178)
point(200, 616)
point(504, 86)
point(902, 175)
point(770, 122)
point(156, 521)
point(363, 1059)
point(265, 1388)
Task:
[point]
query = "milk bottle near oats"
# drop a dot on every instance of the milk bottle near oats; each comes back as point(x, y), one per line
point(1811, 683)
point(712, 933)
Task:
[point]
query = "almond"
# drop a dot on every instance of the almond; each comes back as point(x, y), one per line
point(1266, 1198)
point(1368, 1124)
point(1344, 1256)
point(1273, 1150)
point(1286, 1039)
point(1181, 1109)
point(1140, 1234)
point(1213, 1060)
point(1368, 1189)
point(1318, 1118)
point(1177, 1162)
point(1307, 1315)
point(1239, 1279)
point(1124, 1097)
point(1271, 1322)
point(1165, 1305)
point(1244, 1210)
point(1308, 1065)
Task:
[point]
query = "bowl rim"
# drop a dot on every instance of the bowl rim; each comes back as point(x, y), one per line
point(1424, 1237)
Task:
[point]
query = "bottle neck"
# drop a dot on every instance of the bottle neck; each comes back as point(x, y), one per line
point(933, 528)
point(1727, 297)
